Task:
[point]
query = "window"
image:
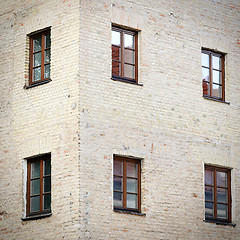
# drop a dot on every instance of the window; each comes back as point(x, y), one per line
point(124, 55)
point(217, 194)
point(213, 80)
point(40, 57)
point(39, 185)
point(126, 184)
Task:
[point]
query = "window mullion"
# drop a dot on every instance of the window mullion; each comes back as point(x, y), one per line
point(215, 193)
point(124, 185)
point(211, 75)
point(42, 59)
point(122, 53)
point(229, 196)
point(41, 185)
point(136, 56)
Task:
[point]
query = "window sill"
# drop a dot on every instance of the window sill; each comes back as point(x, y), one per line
point(220, 223)
point(216, 100)
point(37, 217)
point(126, 81)
point(37, 84)
point(129, 212)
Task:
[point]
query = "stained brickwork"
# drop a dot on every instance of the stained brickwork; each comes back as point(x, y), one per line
point(83, 117)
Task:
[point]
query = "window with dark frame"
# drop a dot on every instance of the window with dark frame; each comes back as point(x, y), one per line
point(213, 79)
point(39, 57)
point(39, 185)
point(126, 184)
point(124, 55)
point(217, 194)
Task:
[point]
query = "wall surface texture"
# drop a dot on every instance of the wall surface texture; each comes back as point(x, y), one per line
point(83, 117)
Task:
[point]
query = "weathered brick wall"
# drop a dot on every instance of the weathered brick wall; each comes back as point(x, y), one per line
point(40, 119)
point(82, 112)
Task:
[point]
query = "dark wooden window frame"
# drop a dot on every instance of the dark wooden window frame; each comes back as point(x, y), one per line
point(33, 36)
point(135, 34)
point(29, 161)
point(125, 160)
point(215, 200)
point(222, 56)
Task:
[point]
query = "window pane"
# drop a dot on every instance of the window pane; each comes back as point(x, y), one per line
point(47, 56)
point(116, 38)
point(221, 179)
point(117, 199)
point(47, 71)
point(216, 61)
point(116, 53)
point(208, 193)
point(208, 209)
point(35, 204)
point(47, 201)
point(206, 88)
point(46, 167)
point(208, 177)
point(217, 77)
point(129, 56)
point(132, 185)
point(47, 184)
point(131, 201)
point(222, 195)
point(47, 41)
point(36, 74)
point(217, 91)
point(117, 168)
point(205, 60)
point(222, 211)
point(132, 170)
point(37, 59)
point(35, 187)
point(129, 71)
point(35, 169)
point(37, 44)
point(205, 74)
point(128, 40)
point(117, 184)
point(116, 68)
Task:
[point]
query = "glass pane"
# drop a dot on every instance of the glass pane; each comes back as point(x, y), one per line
point(132, 185)
point(217, 77)
point(37, 59)
point(116, 53)
point(216, 61)
point(117, 168)
point(37, 44)
point(47, 41)
point(116, 68)
point(35, 169)
point(132, 170)
point(131, 201)
point(128, 41)
point(206, 88)
point(35, 187)
point(205, 60)
point(117, 199)
point(36, 74)
point(47, 184)
point(116, 38)
point(208, 209)
point(47, 201)
point(47, 56)
point(217, 91)
point(208, 193)
point(129, 56)
point(129, 71)
point(205, 74)
point(35, 204)
point(222, 195)
point(46, 167)
point(208, 177)
point(47, 71)
point(221, 179)
point(117, 184)
point(222, 211)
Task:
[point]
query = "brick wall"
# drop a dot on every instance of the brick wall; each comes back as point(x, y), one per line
point(83, 117)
